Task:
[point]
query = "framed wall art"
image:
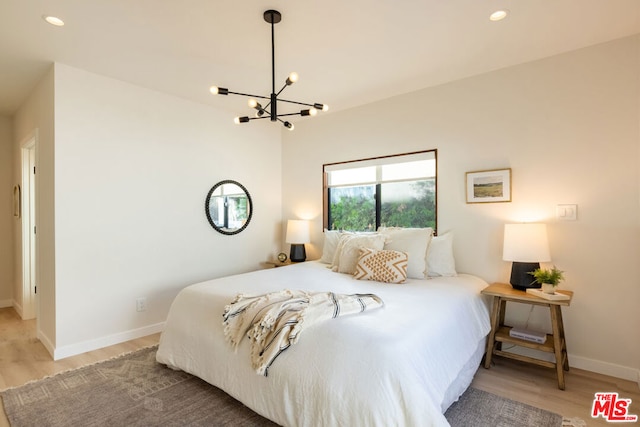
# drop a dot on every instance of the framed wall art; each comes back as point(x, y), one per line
point(489, 186)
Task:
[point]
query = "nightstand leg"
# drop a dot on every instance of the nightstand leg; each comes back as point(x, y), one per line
point(495, 319)
point(558, 344)
point(565, 365)
point(503, 310)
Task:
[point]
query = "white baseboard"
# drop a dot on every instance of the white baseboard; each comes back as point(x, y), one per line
point(83, 347)
point(605, 368)
point(46, 342)
point(6, 303)
point(597, 366)
point(17, 307)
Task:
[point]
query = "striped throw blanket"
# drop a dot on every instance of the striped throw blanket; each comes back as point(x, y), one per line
point(273, 322)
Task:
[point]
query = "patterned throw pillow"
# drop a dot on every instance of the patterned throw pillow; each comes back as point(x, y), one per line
point(382, 266)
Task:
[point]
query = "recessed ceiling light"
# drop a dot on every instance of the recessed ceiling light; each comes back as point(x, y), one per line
point(498, 15)
point(53, 20)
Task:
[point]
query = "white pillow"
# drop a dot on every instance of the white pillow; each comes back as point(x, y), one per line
point(336, 255)
point(440, 261)
point(413, 241)
point(349, 250)
point(331, 238)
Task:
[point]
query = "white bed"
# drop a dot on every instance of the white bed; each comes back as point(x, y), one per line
point(400, 365)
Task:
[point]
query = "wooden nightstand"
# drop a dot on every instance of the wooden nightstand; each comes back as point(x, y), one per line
point(555, 343)
point(277, 263)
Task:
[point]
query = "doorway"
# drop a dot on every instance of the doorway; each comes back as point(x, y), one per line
point(29, 230)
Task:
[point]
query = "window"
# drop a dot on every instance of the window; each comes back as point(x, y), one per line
point(393, 191)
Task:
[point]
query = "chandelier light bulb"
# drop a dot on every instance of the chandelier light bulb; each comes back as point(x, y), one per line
point(293, 77)
point(215, 90)
point(239, 120)
point(325, 107)
point(252, 103)
point(313, 111)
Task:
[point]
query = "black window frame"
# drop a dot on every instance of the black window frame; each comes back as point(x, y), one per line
point(378, 186)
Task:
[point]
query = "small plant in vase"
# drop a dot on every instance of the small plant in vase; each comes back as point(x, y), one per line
point(548, 278)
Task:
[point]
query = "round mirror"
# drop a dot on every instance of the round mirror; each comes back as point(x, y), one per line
point(228, 207)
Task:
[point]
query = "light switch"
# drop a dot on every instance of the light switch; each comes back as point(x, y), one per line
point(567, 212)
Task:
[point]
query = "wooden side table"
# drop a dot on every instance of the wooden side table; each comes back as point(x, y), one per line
point(555, 343)
point(277, 263)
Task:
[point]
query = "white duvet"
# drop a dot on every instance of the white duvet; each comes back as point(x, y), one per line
point(402, 365)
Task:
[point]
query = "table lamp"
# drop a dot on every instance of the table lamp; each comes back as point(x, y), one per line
point(526, 245)
point(297, 236)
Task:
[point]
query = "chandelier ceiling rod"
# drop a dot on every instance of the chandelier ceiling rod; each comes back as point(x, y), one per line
point(273, 17)
point(271, 108)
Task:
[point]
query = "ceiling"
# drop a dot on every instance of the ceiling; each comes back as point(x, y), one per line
point(347, 53)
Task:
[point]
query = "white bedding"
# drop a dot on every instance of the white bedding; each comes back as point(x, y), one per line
point(401, 365)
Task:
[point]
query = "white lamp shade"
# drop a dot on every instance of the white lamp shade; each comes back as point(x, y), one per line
point(298, 231)
point(526, 243)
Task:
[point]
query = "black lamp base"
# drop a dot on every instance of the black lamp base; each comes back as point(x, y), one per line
point(520, 277)
point(297, 254)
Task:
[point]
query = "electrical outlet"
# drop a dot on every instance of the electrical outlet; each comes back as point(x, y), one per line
point(141, 304)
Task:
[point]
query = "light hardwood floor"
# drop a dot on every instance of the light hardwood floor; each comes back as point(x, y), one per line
point(538, 386)
point(23, 358)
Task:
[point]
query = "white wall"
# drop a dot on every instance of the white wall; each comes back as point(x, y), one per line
point(6, 212)
point(132, 170)
point(35, 117)
point(568, 127)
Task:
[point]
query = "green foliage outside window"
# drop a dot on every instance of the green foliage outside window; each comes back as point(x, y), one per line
point(418, 211)
point(354, 208)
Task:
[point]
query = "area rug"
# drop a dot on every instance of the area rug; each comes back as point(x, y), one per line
point(134, 390)
point(477, 408)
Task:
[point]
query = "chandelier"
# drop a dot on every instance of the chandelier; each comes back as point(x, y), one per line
point(270, 109)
